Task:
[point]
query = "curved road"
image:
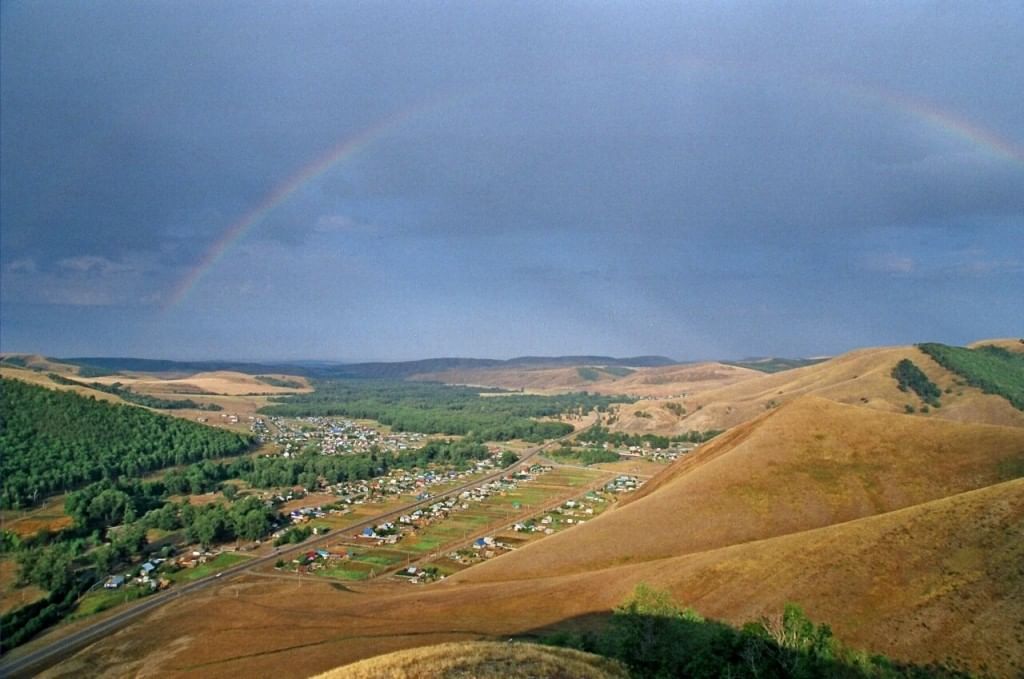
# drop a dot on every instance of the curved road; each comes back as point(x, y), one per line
point(47, 656)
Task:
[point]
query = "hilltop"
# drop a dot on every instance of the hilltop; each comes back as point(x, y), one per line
point(658, 381)
point(482, 660)
point(862, 377)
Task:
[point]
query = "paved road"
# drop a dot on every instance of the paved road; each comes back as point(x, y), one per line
point(49, 655)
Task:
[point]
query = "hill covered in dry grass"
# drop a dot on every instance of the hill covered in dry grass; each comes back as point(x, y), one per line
point(863, 378)
point(904, 532)
point(482, 660)
point(657, 381)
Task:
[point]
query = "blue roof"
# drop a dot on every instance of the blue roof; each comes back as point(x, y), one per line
point(480, 541)
point(367, 531)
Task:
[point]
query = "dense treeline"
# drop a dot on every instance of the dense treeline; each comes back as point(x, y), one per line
point(992, 369)
point(585, 456)
point(109, 503)
point(438, 409)
point(910, 378)
point(126, 394)
point(600, 435)
point(654, 637)
point(53, 441)
point(280, 382)
point(21, 624)
point(67, 563)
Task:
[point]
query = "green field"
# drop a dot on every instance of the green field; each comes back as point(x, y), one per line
point(104, 599)
point(992, 369)
point(218, 563)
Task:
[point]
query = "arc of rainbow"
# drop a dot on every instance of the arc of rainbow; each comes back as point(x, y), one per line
point(951, 123)
point(339, 153)
point(928, 113)
point(945, 120)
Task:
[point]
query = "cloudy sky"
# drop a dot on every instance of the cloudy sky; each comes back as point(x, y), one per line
point(370, 180)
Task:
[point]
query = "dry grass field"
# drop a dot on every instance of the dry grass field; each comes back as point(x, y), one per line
point(904, 533)
point(47, 516)
point(860, 378)
point(482, 660)
point(238, 394)
point(11, 596)
point(222, 382)
point(40, 379)
point(672, 380)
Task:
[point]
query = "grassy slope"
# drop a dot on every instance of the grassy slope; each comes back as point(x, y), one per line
point(482, 660)
point(809, 464)
point(860, 377)
point(658, 381)
point(895, 529)
point(937, 580)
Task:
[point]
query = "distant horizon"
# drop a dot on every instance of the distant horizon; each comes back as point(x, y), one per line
point(357, 361)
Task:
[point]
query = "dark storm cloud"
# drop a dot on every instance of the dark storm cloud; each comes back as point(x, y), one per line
point(674, 168)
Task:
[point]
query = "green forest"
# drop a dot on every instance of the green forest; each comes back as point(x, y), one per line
point(910, 378)
point(992, 369)
point(655, 637)
point(431, 408)
point(600, 435)
point(584, 456)
point(53, 441)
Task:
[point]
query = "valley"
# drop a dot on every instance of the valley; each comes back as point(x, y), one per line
point(895, 517)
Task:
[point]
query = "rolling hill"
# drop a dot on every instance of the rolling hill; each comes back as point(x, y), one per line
point(903, 532)
point(862, 377)
point(657, 381)
point(482, 660)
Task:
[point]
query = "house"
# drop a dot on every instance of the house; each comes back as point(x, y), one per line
point(367, 533)
point(114, 582)
point(148, 568)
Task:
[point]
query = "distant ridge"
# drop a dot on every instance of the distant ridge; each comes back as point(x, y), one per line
point(378, 369)
point(772, 364)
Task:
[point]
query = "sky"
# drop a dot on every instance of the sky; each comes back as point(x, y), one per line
point(388, 181)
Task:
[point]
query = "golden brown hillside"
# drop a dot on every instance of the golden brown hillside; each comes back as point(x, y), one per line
point(1010, 343)
point(904, 533)
point(482, 660)
point(221, 382)
point(808, 464)
point(663, 381)
point(862, 378)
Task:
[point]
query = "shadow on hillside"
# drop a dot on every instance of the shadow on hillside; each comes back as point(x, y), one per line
point(682, 644)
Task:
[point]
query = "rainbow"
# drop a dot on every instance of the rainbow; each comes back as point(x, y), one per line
point(345, 150)
point(948, 122)
point(927, 113)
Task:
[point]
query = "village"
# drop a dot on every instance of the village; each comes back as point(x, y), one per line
point(335, 436)
point(429, 543)
point(458, 531)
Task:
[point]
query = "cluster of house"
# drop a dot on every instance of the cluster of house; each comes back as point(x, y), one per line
point(315, 559)
point(572, 512)
point(144, 576)
point(339, 436)
point(647, 452)
point(623, 484)
point(304, 514)
point(396, 482)
point(391, 533)
point(418, 575)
